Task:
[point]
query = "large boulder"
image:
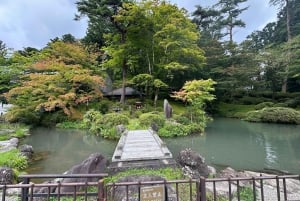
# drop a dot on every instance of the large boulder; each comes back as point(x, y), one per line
point(6, 175)
point(193, 164)
point(8, 145)
point(26, 150)
point(167, 109)
point(120, 191)
point(95, 163)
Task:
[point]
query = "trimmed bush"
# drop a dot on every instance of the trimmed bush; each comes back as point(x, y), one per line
point(194, 129)
point(91, 117)
point(274, 115)
point(148, 119)
point(172, 129)
point(263, 105)
point(114, 119)
point(247, 100)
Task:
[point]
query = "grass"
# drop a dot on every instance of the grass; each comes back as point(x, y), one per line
point(167, 173)
point(13, 159)
point(234, 110)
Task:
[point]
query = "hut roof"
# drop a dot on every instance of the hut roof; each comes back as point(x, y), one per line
point(129, 92)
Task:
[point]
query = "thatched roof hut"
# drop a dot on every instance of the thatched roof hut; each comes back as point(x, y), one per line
point(129, 92)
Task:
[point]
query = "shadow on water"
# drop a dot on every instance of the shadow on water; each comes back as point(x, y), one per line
point(227, 142)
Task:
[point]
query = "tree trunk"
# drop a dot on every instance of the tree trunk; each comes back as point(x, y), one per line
point(289, 37)
point(124, 74)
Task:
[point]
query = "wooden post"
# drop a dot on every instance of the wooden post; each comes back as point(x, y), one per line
point(101, 190)
point(202, 189)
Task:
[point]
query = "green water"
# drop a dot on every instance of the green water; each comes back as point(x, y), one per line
point(228, 142)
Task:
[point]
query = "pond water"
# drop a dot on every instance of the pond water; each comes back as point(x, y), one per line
point(227, 142)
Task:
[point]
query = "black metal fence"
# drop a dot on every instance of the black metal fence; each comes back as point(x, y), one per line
point(212, 189)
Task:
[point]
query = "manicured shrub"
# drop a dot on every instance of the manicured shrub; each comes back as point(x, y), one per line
point(114, 119)
point(263, 105)
point(172, 129)
point(181, 119)
point(91, 117)
point(247, 100)
point(293, 103)
point(194, 128)
point(275, 115)
point(148, 119)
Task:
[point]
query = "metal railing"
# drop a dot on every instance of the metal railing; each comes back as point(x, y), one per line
point(204, 189)
point(47, 191)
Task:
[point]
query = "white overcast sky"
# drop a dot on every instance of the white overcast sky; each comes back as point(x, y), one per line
point(32, 23)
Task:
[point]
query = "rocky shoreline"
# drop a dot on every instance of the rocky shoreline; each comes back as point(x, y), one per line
point(193, 166)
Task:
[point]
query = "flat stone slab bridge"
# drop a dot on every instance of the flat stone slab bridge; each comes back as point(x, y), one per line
point(141, 148)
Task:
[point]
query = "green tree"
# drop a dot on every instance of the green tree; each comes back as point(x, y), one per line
point(230, 11)
point(197, 93)
point(160, 41)
point(102, 20)
point(55, 82)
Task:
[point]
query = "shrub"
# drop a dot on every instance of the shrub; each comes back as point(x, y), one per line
point(275, 115)
point(91, 117)
point(194, 128)
point(148, 119)
point(110, 133)
point(13, 159)
point(181, 119)
point(114, 119)
point(247, 100)
point(294, 103)
point(263, 105)
point(172, 129)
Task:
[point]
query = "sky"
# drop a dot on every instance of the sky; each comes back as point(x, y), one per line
point(32, 23)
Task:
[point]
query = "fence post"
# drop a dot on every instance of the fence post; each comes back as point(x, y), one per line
point(3, 192)
point(101, 190)
point(202, 189)
point(25, 190)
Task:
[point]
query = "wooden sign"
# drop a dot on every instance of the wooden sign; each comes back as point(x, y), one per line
point(152, 193)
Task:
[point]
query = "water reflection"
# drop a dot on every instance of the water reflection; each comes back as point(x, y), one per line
point(64, 148)
point(228, 142)
point(244, 145)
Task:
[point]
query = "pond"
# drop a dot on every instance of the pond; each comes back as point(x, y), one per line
point(227, 142)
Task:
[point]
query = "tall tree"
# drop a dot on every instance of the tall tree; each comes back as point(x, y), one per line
point(3, 52)
point(286, 4)
point(160, 41)
point(230, 11)
point(101, 15)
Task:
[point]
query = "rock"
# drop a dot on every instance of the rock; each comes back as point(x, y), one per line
point(8, 145)
point(193, 164)
point(269, 185)
point(6, 131)
point(120, 129)
point(95, 163)
point(26, 150)
point(167, 109)
point(6, 175)
point(120, 191)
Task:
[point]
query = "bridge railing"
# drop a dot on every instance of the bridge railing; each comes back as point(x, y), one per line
point(204, 189)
